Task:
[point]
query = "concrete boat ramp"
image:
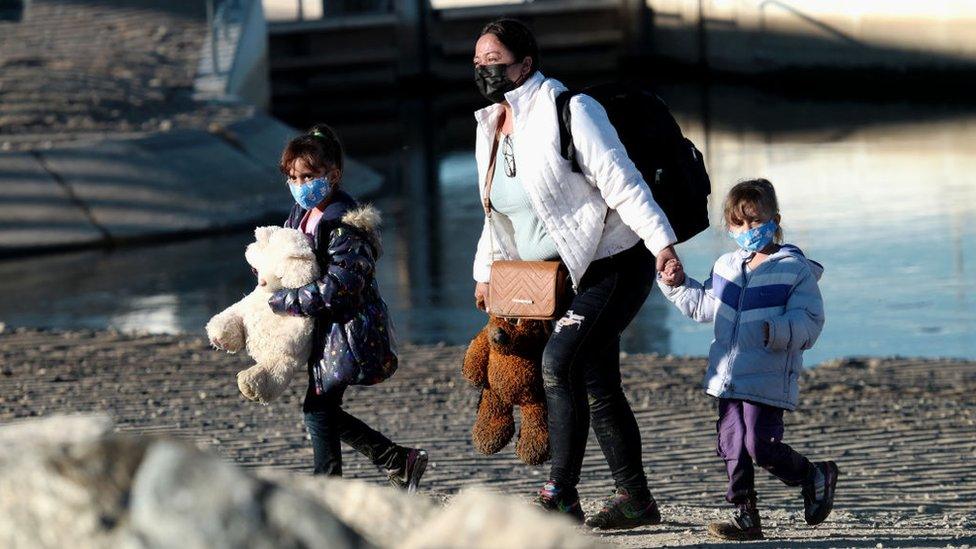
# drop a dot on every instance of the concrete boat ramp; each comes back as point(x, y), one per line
point(166, 185)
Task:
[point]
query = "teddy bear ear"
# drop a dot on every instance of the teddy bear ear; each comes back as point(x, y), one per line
point(263, 234)
point(293, 243)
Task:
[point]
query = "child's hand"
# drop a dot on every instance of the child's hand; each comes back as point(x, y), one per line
point(673, 273)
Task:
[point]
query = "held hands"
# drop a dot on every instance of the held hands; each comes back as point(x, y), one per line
point(673, 273)
point(669, 267)
point(665, 255)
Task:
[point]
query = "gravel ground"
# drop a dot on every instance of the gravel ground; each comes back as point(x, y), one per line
point(87, 70)
point(903, 431)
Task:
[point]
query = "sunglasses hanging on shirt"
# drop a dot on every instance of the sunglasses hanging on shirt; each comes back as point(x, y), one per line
point(509, 153)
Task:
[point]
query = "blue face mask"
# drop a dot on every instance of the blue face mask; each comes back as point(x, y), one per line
point(308, 195)
point(757, 238)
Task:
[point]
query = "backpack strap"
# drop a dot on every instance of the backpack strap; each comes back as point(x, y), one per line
point(564, 117)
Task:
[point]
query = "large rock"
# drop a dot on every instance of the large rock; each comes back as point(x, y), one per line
point(70, 482)
point(64, 482)
point(479, 518)
point(382, 514)
point(474, 518)
point(182, 497)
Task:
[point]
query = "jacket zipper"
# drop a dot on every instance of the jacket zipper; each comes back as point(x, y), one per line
point(738, 308)
point(735, 325)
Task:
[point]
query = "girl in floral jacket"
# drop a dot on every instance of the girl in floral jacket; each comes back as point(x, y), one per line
point(352, 340)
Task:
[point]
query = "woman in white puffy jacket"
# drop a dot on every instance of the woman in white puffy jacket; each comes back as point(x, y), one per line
point(604, 226)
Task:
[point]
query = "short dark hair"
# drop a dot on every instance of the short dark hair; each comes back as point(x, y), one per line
point(517, 37)
point(320, 148)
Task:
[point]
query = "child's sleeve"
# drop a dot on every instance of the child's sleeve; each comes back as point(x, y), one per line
point(694, 299)
point(338, 293)
point(799, 326)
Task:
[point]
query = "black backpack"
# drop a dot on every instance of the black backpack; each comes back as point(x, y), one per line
point(671, 164)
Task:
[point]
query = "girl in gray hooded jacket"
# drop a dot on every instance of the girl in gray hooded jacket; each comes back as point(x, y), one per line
point(766, 307)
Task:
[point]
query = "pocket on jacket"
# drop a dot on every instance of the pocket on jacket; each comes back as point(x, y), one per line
point(751, 335)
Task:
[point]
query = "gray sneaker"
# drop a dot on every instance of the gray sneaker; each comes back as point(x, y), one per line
point(409, 477)
point(818, 492)
point(744, 526)
point(623, 511)
point(557, 499)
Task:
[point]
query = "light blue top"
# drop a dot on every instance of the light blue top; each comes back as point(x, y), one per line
point(781, 294)
point(509, 198)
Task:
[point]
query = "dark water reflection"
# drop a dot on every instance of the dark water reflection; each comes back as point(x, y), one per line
point(884, 195)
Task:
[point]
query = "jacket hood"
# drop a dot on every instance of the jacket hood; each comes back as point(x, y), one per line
point(367, 219)
point(789, 250)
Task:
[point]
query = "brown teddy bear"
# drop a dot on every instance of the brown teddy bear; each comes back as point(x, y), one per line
point(505, 361)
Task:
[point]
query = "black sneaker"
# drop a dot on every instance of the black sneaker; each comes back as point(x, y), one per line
point(409, 477)
point(554, 498)
point(744, 526)
point(623, 511)
point(818, 492)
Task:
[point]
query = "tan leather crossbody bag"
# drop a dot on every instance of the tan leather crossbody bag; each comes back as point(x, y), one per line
point(521, 289)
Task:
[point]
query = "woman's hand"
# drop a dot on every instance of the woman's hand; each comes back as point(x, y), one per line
point(673, 273)
point(665, 255)
point(481, 296)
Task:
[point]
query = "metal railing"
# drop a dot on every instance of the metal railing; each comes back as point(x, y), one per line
point(223, 17)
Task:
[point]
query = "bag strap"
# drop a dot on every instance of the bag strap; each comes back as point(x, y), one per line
point(486, 200)
point(566, 148)
point(490, 176)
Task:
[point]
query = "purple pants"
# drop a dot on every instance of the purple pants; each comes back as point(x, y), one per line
point(749, 432)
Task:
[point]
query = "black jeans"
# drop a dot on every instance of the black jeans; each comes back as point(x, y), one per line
point(583, 358)
point(329, 424)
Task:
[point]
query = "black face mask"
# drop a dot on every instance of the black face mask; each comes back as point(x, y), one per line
point(492, 82)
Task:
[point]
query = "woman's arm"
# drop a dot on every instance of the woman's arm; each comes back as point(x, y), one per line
point(338, 293)
point(605, 163)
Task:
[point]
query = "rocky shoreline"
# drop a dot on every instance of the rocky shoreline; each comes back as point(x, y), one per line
point(902, 430)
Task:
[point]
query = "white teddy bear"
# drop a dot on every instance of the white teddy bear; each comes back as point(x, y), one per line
point(280, 344)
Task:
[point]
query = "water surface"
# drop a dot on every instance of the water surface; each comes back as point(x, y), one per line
point(883, 195)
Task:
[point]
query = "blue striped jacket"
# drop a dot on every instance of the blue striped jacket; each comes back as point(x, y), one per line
point(781, 293)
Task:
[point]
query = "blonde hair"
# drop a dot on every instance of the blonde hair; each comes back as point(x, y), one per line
point(750, 200)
